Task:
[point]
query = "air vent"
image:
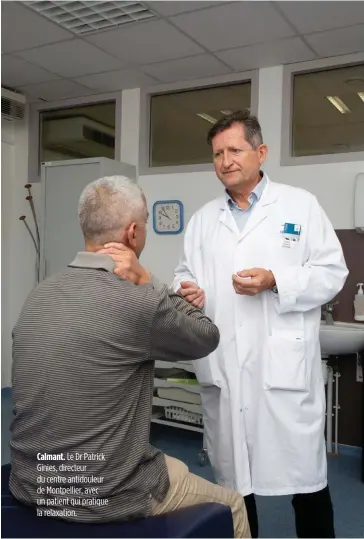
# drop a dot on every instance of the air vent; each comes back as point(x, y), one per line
point(12, 105)
point(83, 18)
point(98, 136)
point(79, 136)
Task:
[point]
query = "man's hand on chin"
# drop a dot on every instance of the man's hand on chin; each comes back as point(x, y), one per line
point(127, 263)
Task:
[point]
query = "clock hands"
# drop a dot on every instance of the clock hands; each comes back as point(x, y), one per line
point(165, 214)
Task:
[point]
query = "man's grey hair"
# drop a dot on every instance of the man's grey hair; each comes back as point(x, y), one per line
point(107, 206)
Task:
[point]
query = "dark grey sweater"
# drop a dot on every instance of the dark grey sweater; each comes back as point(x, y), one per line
point(83, 366)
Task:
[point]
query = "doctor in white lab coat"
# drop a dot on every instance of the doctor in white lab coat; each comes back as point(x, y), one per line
point(262, 259)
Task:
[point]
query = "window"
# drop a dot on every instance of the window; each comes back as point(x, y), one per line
point(179, 122)
point(78, 132)
point(328, 111)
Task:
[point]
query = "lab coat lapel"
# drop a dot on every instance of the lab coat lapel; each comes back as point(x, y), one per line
point(261, 210)
point(226, 217)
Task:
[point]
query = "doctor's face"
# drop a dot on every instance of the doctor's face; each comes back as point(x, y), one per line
point(237, 163)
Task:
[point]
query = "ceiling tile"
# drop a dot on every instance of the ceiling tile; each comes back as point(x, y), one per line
point(338, 42)
point(285, 51)
point(72, 58)
point(233, 25)
point(116, 80)
point(146, 43)
point(318, 16)
point(21, 28)
point(168, 8)
point(53, 91)
point(16, 72)
point(195, 67)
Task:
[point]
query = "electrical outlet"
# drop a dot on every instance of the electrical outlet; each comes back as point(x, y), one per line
point(359, 368)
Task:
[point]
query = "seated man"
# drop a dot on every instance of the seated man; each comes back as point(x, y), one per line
point(84, 349)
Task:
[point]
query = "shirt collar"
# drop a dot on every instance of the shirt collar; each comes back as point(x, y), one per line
point(93, 261)
point(256, 193)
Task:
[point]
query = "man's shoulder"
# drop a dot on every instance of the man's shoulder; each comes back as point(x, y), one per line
point(208, 209)
point(291, 192)
point(48, 282)
point(98, 282)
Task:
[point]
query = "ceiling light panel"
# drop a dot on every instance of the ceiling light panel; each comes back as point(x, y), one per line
point(207, 117)
point(84, 18)
point(338, 104)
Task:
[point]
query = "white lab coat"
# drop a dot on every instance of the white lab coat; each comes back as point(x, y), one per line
point(262, 390)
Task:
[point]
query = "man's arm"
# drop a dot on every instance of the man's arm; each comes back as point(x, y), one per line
point(180, 332)
point(184, 271)
point(321, 277)
point(185, 281)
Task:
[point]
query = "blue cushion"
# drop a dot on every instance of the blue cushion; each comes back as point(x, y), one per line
point(205, 520)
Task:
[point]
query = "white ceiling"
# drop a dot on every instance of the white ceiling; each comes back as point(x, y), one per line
point(185, 40)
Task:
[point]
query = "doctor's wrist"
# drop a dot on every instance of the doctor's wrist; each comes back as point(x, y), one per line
point(273, 284)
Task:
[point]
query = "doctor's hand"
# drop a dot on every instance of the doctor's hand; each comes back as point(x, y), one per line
point(253, 281)
point(192, 293)
point(127, 263)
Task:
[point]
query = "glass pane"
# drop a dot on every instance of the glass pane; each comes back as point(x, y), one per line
point(79, 132)
point(180, 122)
point(328, 111)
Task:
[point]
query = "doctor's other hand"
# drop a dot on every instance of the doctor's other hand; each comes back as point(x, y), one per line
point(253, 281)
point(128, 266)
point(192, 293)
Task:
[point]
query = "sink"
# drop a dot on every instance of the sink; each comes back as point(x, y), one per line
point(341, 338)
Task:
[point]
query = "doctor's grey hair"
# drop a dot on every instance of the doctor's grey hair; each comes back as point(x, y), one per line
point(107, 206)
point(250, 124)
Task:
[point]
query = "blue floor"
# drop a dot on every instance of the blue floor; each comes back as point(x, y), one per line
point(275, 513)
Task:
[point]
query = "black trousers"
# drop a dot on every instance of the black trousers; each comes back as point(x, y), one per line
point(313, 513)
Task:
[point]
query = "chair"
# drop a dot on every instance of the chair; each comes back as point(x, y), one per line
point(206, 520)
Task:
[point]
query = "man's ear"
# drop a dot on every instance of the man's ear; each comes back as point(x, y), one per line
point(131, 235)
point(263, 151)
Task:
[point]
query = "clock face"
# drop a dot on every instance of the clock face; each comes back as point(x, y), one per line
point(168, 217)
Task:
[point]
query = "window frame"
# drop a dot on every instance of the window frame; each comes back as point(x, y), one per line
point(289, 71)
point(35, 110)
point(160, 89)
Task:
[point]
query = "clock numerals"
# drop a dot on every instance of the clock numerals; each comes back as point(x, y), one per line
point(168, 217)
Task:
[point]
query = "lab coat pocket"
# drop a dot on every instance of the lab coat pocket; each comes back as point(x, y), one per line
point(286, 366)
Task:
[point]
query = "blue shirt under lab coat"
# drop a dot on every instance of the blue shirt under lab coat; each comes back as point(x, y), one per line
point(241, 216)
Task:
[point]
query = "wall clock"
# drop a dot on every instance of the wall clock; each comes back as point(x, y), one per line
point(168, 217)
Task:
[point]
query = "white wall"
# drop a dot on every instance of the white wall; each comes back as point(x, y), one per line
point(333, 184)
point(130, 110)
point(17, 252)
point(194, 190)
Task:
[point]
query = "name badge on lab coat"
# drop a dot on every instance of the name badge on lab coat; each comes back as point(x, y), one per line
point(291, 234)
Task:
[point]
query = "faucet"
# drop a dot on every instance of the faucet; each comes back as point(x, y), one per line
point(326, 311)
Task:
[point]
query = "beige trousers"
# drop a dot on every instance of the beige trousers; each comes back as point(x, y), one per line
point(187, 489)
